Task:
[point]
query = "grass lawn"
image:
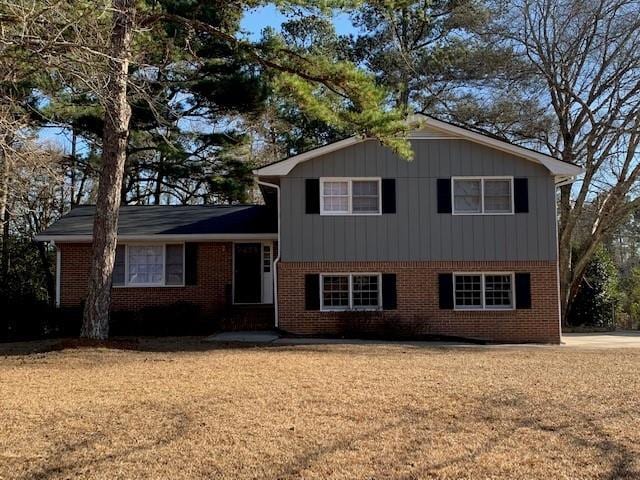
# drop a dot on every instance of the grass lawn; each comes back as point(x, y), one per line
point(180, 409)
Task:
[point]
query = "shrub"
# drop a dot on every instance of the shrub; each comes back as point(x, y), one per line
point(180, 318)
point(598, 295)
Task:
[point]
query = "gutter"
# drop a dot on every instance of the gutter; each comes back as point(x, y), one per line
point(160, 237)
point(565, 180)
point(277, 259)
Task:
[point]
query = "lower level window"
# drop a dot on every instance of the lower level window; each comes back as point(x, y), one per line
point(149, 265)
point(483, 291)
point(350, 291)
point(146, 264)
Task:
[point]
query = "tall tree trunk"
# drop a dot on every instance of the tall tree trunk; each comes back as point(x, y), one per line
point(157, 194)
point(564, 252)
point(5, 176)
point(48, 275)
point(73, 169)
point(5, 245)
point(95, 323)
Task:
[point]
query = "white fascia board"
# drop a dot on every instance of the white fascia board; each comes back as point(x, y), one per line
point(285, 166)
point(163, 237)
point(555, 167)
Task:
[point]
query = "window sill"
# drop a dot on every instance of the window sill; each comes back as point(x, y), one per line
point(346, 214)
point(492, 310)
point(148, 286)
point(480, 214)
point(352, 310)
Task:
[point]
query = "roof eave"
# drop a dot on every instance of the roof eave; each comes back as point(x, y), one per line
point(44, 237)
point(555, 167)
point(285, 166)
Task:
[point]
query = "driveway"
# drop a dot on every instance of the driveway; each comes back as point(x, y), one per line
point(602, 340)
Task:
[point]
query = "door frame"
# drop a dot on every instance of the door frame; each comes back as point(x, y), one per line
point(233, 271)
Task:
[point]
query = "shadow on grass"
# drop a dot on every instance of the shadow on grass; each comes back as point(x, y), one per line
point(78, 457)
point(199, 344)
point(140, 344)
point(577, 434)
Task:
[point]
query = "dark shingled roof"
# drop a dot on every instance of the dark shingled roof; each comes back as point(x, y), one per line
point(173, 220)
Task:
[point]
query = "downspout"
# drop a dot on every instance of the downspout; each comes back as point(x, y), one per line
point(277, 259)
point(58, 266)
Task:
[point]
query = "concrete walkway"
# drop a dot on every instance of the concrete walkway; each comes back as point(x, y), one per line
point(267, 336)
point(602, 340)
point(570, 340)
point(274, 338)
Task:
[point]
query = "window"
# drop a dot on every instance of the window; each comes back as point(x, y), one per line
point(483, 291)
point(468, 290)
point(119, 268)
point(174, 265)
point(490, 195)
point(335, 292)
point(335, 197)
point(266, 258)
point(467, 196)
point(497, 291)
point(145, 264)
point(149, 265)
point(351, 291)
point(350, 196)
point(365, 291)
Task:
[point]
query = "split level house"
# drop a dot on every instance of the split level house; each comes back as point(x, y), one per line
point(461, 241)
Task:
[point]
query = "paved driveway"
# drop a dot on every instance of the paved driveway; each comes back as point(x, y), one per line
point(602, 340)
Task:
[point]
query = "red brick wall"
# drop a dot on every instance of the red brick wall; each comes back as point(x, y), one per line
point(211, 293)
point(418, 302)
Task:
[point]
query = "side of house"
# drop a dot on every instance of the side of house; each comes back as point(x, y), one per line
point(216, 259)
point(461, 241)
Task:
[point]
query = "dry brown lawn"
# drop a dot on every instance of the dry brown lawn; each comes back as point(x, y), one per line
point(180, 409)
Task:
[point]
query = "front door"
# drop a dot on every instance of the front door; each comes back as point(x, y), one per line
point(247, 275)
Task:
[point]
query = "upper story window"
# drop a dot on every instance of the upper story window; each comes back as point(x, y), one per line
point(149, 265)
point(482, 195)
point(350, 196)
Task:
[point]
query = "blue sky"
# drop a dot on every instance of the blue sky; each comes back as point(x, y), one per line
point(257, 19)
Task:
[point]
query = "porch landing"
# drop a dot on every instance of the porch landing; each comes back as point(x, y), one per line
point(255, 336)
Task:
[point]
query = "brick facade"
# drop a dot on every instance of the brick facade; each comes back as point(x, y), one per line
point(418, 303)
point(417, 310)
point(212, 293)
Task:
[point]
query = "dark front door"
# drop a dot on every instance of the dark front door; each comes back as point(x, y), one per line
point(247, 277)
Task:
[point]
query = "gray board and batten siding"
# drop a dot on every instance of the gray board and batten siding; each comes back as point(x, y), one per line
point(417, 232)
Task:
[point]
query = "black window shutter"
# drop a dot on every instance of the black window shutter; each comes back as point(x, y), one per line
point(389, 292)
point(523, 290)
point(388, 195)
point(521, 195)
point(191, 263)
point(312, 291)
point(445, 288)
point(444, 195)
point(312, 195)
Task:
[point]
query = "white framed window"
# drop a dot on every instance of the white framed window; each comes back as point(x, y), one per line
point(482, 195)
point(350, 291)
point(350, 196)
point(483, 291)
point(149, 265)
point(266, 258)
